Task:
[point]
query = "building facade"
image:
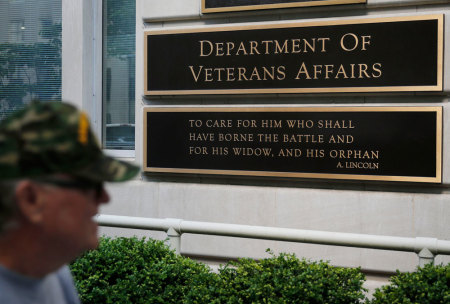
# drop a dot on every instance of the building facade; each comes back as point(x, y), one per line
point(354, 205)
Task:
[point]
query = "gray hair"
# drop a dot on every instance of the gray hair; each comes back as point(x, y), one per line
point(8, 207)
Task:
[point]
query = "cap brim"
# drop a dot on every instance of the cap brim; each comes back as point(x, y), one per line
point(108, 169)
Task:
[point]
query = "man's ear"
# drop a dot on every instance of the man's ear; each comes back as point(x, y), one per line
point(30, 201)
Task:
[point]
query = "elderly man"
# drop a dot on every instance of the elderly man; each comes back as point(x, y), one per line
point(51, 185)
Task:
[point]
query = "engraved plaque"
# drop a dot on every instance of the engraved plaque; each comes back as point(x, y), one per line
point(214, 6)
point(357, 143)
point(403, 54)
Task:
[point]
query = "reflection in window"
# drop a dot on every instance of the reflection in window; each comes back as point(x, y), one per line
point(16, 31)
point(30, 53)
point(119, 36)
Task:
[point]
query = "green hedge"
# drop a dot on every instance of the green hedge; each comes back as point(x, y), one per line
point(428, 285)
point(131, 270)
point(286, 279)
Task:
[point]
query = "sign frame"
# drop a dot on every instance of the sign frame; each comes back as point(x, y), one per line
point(323, 89)
point(306, 3)
point(439, 141)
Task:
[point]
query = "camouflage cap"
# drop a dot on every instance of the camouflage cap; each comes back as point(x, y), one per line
point(54, 137)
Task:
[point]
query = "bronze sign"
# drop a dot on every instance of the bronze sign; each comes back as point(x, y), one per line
point(214, 6)
point(358, 143)
point(356, 55)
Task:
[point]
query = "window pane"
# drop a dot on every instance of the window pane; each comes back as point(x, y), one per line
point(119, 36)
point(30, 52)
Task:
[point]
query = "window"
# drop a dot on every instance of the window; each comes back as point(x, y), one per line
point(119, 36)
point(16, 31)
point(30, 52)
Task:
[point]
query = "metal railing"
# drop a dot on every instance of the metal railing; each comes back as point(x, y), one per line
point(425, 248)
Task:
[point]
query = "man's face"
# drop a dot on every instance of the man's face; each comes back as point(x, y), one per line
point(68, 215)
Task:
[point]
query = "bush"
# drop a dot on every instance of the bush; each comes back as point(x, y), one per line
point(286, 279)
point(131, 270)
point(428, 285)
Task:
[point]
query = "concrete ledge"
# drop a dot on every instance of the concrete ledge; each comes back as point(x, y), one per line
point(170, 9)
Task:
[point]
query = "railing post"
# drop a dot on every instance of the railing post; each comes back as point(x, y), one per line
point(174, 234)
point(425, 257)
point(174, 240)
point(426, 248)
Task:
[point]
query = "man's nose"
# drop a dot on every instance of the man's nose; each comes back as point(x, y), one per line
point(104, 197)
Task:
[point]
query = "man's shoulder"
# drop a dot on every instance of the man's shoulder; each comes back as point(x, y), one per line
point(15, 287)
point(56, 287)
point(67, 285)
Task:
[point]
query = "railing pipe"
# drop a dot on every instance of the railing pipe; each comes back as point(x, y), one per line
point(426, 248)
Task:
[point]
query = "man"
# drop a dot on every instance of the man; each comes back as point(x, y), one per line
point(51, 185)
